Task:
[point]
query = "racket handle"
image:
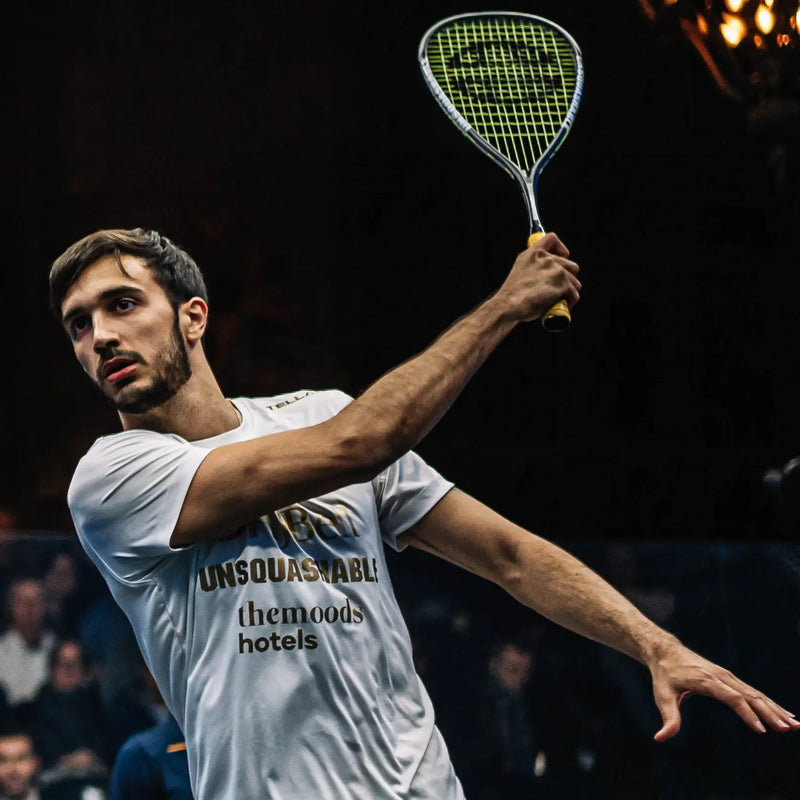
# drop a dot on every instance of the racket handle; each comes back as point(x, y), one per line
point(557, 319)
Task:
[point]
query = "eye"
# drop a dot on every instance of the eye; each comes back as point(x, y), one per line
point(124, 304)
point(78, 325)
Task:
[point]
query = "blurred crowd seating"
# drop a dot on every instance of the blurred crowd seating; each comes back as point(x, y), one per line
point(528, 710)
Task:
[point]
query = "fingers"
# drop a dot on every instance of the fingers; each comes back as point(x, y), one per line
point(668, 705)
point(756, 709)
point(541, 276)
point(574, 291)
point(752, 706)
point(570, 266)
point(552, 244)
point(697, 676)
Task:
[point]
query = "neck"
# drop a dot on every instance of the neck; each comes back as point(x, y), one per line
point(197, 411)
point(31, 637)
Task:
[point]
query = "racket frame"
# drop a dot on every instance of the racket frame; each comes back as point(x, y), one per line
point(527, 181)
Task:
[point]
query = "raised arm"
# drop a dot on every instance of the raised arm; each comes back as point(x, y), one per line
point(238, 482)
point(545, 578)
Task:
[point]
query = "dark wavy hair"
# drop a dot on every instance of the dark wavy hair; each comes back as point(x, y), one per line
point(174, 269)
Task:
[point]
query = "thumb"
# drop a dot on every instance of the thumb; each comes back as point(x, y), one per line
point(669, 706)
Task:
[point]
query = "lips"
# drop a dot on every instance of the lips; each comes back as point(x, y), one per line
point(116, 369)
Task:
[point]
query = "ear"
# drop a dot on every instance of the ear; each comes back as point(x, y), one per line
point(192, 317)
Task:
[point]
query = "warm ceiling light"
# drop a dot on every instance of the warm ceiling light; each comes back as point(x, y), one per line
point(765, 19)
point(733, 29)
point(750, 47)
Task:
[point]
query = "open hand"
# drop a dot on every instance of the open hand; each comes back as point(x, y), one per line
point(679, 673)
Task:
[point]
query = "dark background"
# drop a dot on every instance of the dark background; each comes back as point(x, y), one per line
point(295, 151)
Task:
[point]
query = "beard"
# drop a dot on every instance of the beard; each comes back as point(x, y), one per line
point(171, 370)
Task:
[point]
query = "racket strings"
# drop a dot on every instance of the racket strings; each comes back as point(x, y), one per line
point(512, 81)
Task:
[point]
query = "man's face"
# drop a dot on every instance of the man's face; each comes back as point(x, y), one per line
point(125, 334)
point(18, 765)
point(513, 667)
point(67, 674)
point(27, 609)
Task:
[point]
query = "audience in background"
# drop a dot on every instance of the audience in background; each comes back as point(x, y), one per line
point(512, 758)
point(69, 722)
point(502, 708)
point(18, 766)
point(60, 585)
point(20, 775)
point(26, 646)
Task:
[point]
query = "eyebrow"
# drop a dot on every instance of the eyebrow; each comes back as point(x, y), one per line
point(108, 294)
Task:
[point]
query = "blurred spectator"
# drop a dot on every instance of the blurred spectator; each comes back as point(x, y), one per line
point(25, 647)
point(152, 765)
point(69, 732)
point(60, 584)
point(511, 755)
point(18, 766)
point(20, 777)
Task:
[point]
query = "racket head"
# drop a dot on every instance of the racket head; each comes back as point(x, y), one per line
point(512, 83)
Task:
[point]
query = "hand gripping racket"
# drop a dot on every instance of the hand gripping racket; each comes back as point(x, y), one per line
point(512, 83)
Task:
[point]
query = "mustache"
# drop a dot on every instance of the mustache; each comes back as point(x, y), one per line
point(109, 355)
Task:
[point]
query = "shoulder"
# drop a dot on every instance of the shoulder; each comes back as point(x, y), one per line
point(135, 771)
point(144, 744)
point(8, 637)
point(132, 468)
point(150, 745)
point(125, 442)
point(110, 452)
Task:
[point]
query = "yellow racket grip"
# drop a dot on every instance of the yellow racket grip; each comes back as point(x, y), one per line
point(557, 319)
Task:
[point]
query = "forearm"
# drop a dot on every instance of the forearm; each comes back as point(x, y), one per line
point(547, 579)
point(563, 589)
point(537, 573)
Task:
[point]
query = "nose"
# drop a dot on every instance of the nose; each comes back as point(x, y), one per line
point(103, 334)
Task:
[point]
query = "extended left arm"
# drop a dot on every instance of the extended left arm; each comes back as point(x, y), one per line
point(547, 579)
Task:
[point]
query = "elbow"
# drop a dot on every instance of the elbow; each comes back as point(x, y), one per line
point(507, 569)
point(368, 448)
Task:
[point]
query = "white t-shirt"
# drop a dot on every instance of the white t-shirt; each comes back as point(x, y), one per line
point(282, 651)
point(23, 667)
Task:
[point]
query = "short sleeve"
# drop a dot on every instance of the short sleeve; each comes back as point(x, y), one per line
point(126, 496)
point(404, 493)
